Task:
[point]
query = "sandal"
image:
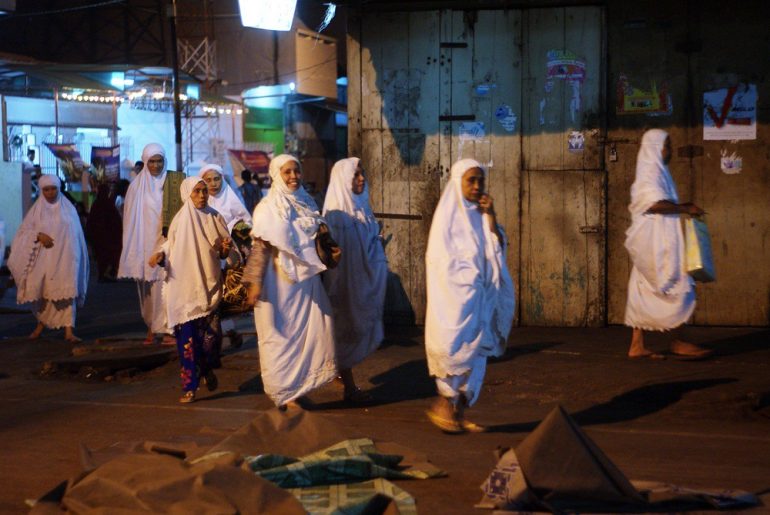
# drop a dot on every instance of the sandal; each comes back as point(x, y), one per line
point(236, 340)
point(357, 397)
point(211, 381)
point(472, 427)
point(187, 398)
point(448, 425)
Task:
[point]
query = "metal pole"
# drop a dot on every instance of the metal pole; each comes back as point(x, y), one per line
point(4, 123)
point(177, 102)
point(114, 121)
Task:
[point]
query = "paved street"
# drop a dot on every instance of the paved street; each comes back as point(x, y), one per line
point(693, 423)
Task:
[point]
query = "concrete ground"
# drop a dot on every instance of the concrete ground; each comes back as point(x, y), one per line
point(701, 424)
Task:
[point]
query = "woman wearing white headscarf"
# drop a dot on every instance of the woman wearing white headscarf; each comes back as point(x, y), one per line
point(142, 237)
point(222, 197)
point(292, 312)
point(197, 240)
point(49, 260)
point(661, 295)
point(356, 287)
point(470, 295)
point(226, 202)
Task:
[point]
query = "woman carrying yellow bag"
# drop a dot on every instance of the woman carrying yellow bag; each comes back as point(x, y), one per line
point(661, 294)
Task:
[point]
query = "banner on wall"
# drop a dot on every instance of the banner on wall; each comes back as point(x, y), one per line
point(257, 161)
point(730, 113)
point(106, 162)
point(69, 159)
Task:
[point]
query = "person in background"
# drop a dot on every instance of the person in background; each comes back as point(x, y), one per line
point(356, 287)
point(136, 170)
point(49, 261)
point(249, 191)
point(292, 313)
point(661, 295)
point(470, 295)
point(104, 229)
point(121, 189)
point(142, 236)
point(197, 240)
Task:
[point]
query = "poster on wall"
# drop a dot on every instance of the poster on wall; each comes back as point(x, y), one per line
point(653, 102)
point(256, 161)
point(730, 113)
point(106, 162)
point(567, 66)
point(69, 159)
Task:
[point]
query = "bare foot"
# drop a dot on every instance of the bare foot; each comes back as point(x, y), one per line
point(34, 335)
point(646, 353)
point(637, 348)
point(442, 415)
point(682, 348)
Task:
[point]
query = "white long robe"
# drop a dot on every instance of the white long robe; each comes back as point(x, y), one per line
point(142, 237)
point(356, 287)
point(661, 295)
point(56, 279)
point(194, 276)
point(471, 298)
point(293, 316)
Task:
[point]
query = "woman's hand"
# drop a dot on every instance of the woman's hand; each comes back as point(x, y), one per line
point(691, 209)
point(45, 240)
point(224, 247)
point(487, 207)
point(156, 259)
point(252, 295)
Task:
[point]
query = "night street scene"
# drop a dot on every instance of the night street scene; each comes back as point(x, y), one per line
point(366, 257)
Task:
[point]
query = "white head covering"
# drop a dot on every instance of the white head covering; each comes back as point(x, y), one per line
point(226, 202)
point(289, 221)
point(340, 196)
point(470, 292)
point(357, 286)
point(655, 242)
point(194, 277)
point(142, 213)
point(57, 273)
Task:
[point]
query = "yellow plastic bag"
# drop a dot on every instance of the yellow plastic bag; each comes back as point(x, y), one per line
point(700, 260)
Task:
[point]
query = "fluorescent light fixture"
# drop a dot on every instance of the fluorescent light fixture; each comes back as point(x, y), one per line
point(267, 14)
point(193, 91)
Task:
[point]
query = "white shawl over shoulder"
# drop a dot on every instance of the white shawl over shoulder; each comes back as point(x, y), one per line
point(142, 221)
point(660, 292)
point(356, 287)
point(289, 221)
point(57, 273)
point(194, 278)
point(470, 291)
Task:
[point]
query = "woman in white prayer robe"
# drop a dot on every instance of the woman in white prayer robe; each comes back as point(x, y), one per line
point(356, 287)
point(470, 295)
point(227, 203)
point(292, 313)
point(49, 260)
point(142, 237)
point(197, 240)
point(661, 295)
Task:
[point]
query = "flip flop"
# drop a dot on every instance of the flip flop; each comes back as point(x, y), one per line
point(649, 355)
point(447, 425)
point(187, 398)
point(472, 427)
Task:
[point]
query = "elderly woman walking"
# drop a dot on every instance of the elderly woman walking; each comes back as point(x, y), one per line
point(470, 295)
point(292, 313)
point(49, 260)
point(197, 240)
point(224, 201)
point(356, 287)
point(142, 236)
point(661, 295)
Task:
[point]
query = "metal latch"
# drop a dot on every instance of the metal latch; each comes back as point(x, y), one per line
point(588, 229)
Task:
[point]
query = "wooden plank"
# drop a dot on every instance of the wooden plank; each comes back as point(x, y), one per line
point(445, 98)
point(544, 121)
point(424, 48)
point(353, 42)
